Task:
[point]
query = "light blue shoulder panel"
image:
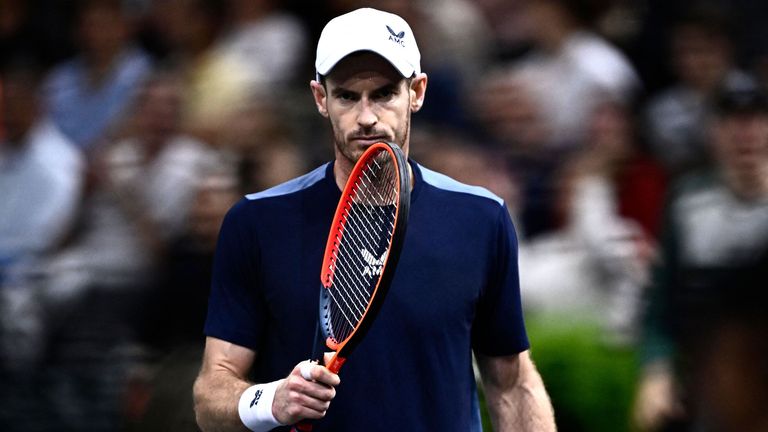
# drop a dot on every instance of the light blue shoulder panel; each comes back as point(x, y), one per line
point(291, 186)
point(442, 181)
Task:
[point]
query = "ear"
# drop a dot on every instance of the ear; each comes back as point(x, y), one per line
point(318, 92)
point(417, 91)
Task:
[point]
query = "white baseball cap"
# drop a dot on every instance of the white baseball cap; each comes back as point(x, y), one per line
point(368, 29)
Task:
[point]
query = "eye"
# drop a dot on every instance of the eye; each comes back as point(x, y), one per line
point(384, 94)
point(347, 96)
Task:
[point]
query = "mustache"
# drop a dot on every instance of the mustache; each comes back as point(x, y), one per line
point(368, 134)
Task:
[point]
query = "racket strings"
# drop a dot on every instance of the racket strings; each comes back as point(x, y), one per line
point(352, 291)
point(353, 299)
point(369, 222)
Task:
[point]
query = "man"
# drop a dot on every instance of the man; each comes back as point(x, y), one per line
point(41, 181)
point(571, 68)
point(715, 225)
point(702, 57)
point(41, 172)
point(88, 96)
point(456, 288)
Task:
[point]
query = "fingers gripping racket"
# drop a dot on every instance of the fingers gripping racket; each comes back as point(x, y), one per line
point(363, 249)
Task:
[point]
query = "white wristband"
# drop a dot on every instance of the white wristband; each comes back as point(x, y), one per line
point(255, 407)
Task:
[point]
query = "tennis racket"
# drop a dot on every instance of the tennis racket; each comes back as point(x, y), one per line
point(362, 251)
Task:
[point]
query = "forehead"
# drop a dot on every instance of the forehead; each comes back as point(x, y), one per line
point(363, 66)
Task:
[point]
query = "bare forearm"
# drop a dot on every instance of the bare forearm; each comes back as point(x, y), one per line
point(516, 397)
point(220, 384)
point(526, 409)
point(216, 397)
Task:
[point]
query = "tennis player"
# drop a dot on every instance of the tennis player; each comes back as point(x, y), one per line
point(455, 290)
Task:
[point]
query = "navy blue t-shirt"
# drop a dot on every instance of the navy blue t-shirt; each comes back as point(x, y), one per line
point(455, 290)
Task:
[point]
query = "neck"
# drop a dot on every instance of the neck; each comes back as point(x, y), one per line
point(341, 171)
point(99, 67)
point(749, 187)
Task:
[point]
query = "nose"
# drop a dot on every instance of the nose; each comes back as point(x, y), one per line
point(366, 117)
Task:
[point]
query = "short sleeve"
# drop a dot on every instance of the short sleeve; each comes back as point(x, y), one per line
point(236, 310)
point(498, 329)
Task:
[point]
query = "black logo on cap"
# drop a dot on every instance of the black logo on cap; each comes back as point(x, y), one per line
point(396, 37)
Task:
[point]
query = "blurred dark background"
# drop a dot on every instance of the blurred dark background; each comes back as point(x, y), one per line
point(629, 139)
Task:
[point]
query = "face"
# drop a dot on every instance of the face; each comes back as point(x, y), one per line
point(159, 110)
point(367, 101)
point(700, 59)
point(102, 30)
point(741, 144)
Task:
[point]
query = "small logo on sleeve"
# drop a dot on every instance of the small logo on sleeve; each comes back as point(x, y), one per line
point(256, 398)
point(396, 37)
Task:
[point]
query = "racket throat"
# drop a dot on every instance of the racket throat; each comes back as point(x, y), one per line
point(336, 363)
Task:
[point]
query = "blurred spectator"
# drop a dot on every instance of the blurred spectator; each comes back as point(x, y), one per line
point(571, 67)
point(716, 223)
point(269, 42)
point(702, 57)
point(262, 141)
point(651, 51)
point(161, 397)
point(157, 160)
point(581, 284)
point(41, 172)
point(510, 29)
point(455, 47)
point(87, 96)
point(41, 179)
point(610, 241)
point(456, 35)
point(513, 120)
point(94, 290)
point(537, 108)
point(615, 155)
point(216, 84)
point(141, 190)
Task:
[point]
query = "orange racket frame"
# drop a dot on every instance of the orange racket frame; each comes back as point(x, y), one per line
point(400, 163)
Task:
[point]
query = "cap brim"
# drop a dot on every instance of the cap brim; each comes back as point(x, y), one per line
point(325, 66)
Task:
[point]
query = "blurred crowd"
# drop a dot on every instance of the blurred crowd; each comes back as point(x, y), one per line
point(629, 139)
